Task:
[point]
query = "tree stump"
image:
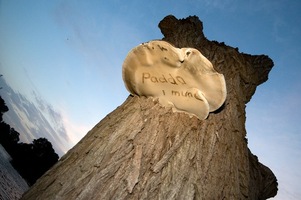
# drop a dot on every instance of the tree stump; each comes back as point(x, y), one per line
point(145, 151)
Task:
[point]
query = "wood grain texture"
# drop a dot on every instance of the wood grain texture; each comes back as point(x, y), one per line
point(145, 151)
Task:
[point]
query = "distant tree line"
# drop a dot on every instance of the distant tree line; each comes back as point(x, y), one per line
point(30, 160)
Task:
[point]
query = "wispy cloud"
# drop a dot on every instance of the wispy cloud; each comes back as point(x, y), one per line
point(37, 119)
point(54, 117)
point(74, 131)
point(221, 4)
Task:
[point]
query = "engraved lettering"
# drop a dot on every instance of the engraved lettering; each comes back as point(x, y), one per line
point(175, 93)
point(162, 48)
point(185, 94)
point(163, 79)
point(172, 80)
point(154, 79)
point(145, 76)
point(180, 79)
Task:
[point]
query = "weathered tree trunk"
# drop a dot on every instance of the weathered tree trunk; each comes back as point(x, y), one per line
point(145, 151)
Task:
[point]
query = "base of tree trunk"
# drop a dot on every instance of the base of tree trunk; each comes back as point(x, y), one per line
point(145, 151)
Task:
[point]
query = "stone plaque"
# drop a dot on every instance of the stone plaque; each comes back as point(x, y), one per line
point(181, 78)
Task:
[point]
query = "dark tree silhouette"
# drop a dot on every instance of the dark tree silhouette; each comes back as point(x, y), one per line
point(9, 137)
point(14, 136)
point(30, 160)
point(33, 160)
point(3, 108)
point(44, 154)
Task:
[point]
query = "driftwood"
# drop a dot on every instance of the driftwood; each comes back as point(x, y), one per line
point(145, 151)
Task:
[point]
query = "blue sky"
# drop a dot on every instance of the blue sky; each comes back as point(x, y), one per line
point(67, 56)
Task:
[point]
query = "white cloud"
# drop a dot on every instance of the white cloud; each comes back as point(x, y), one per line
point(74, 130)
point(35, 119)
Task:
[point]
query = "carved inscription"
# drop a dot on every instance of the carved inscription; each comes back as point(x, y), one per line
point(186, 94)
point(148, 78)
point(181, 78)
point(162, 79)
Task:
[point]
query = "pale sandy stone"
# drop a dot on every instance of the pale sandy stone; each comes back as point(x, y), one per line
point(181, 78)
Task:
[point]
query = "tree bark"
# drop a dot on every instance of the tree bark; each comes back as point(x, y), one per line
point(145, 151)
